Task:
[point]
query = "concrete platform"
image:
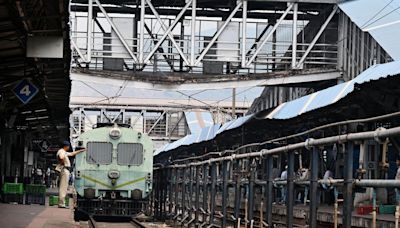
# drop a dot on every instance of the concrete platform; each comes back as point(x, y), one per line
point(35, 216)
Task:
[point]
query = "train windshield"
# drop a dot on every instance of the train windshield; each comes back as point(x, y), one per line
point(130, 154)
point(99, 153)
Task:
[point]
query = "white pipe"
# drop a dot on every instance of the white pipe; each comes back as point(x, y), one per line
point(384, 153)
point(362, 154)
point(378, 133)
point(219, 32)
point(269, 34)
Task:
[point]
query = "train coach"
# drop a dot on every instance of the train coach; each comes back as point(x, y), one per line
point(114, 176)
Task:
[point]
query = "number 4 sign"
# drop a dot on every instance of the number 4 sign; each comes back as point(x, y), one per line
point(25, 91)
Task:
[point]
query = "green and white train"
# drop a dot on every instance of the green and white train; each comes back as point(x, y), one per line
point(114, 176)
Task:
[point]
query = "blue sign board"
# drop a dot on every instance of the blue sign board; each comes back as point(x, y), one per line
point(25, 91)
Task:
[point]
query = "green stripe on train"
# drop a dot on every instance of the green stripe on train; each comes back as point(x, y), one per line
point(110, 186)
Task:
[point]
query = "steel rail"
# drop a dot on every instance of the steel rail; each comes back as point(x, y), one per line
point(92, 222)
point(134, 222)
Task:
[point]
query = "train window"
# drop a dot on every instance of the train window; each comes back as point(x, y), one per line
point(99, 153)
point(130, 154)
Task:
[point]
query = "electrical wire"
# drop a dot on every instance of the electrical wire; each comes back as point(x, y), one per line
point(376, 14)
point(380, 18)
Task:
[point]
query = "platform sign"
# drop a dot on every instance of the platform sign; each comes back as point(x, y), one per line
point(44, 145)
point(25, 91)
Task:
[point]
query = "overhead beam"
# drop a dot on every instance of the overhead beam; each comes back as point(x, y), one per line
point(229, 82)
point(199, 13)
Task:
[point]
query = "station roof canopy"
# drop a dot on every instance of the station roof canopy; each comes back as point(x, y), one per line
point(42, 82)
point(332, 104)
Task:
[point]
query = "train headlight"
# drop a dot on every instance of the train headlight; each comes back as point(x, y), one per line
point(115, 133)
point(113, 174)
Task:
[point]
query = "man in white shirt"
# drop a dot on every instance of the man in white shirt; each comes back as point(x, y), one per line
point(65, 166)
point(283, 187)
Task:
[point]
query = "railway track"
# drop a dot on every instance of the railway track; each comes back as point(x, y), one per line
point(92, 223)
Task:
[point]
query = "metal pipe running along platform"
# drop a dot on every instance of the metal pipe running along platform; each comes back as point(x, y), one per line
point(230, 188)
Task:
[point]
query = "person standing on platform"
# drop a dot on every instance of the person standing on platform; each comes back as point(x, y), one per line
point(64, 168)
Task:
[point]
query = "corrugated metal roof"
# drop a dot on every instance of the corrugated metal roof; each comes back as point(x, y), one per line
point(205, 134)
point(333, 94)
point(296, 107)
point(234, 123)
point(380, 18)
point(198, 120)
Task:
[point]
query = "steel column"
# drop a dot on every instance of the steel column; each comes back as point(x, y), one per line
point(348, 186)
point(190, 195)
point(237, 193)
point(244, 32)
point(177, 173)
point(269, 191)
point(294, 35)
point(205, 192)
point(163, 193)
point(193, 35)
point(89, 32)
point(141, 38)
point(213, 191)
point(183, 201)
point(225, 193)
point(290, 190)
point(197, 197)
point(251, 194)
point(157, 195)
point(314, 188)
point(171, 176)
